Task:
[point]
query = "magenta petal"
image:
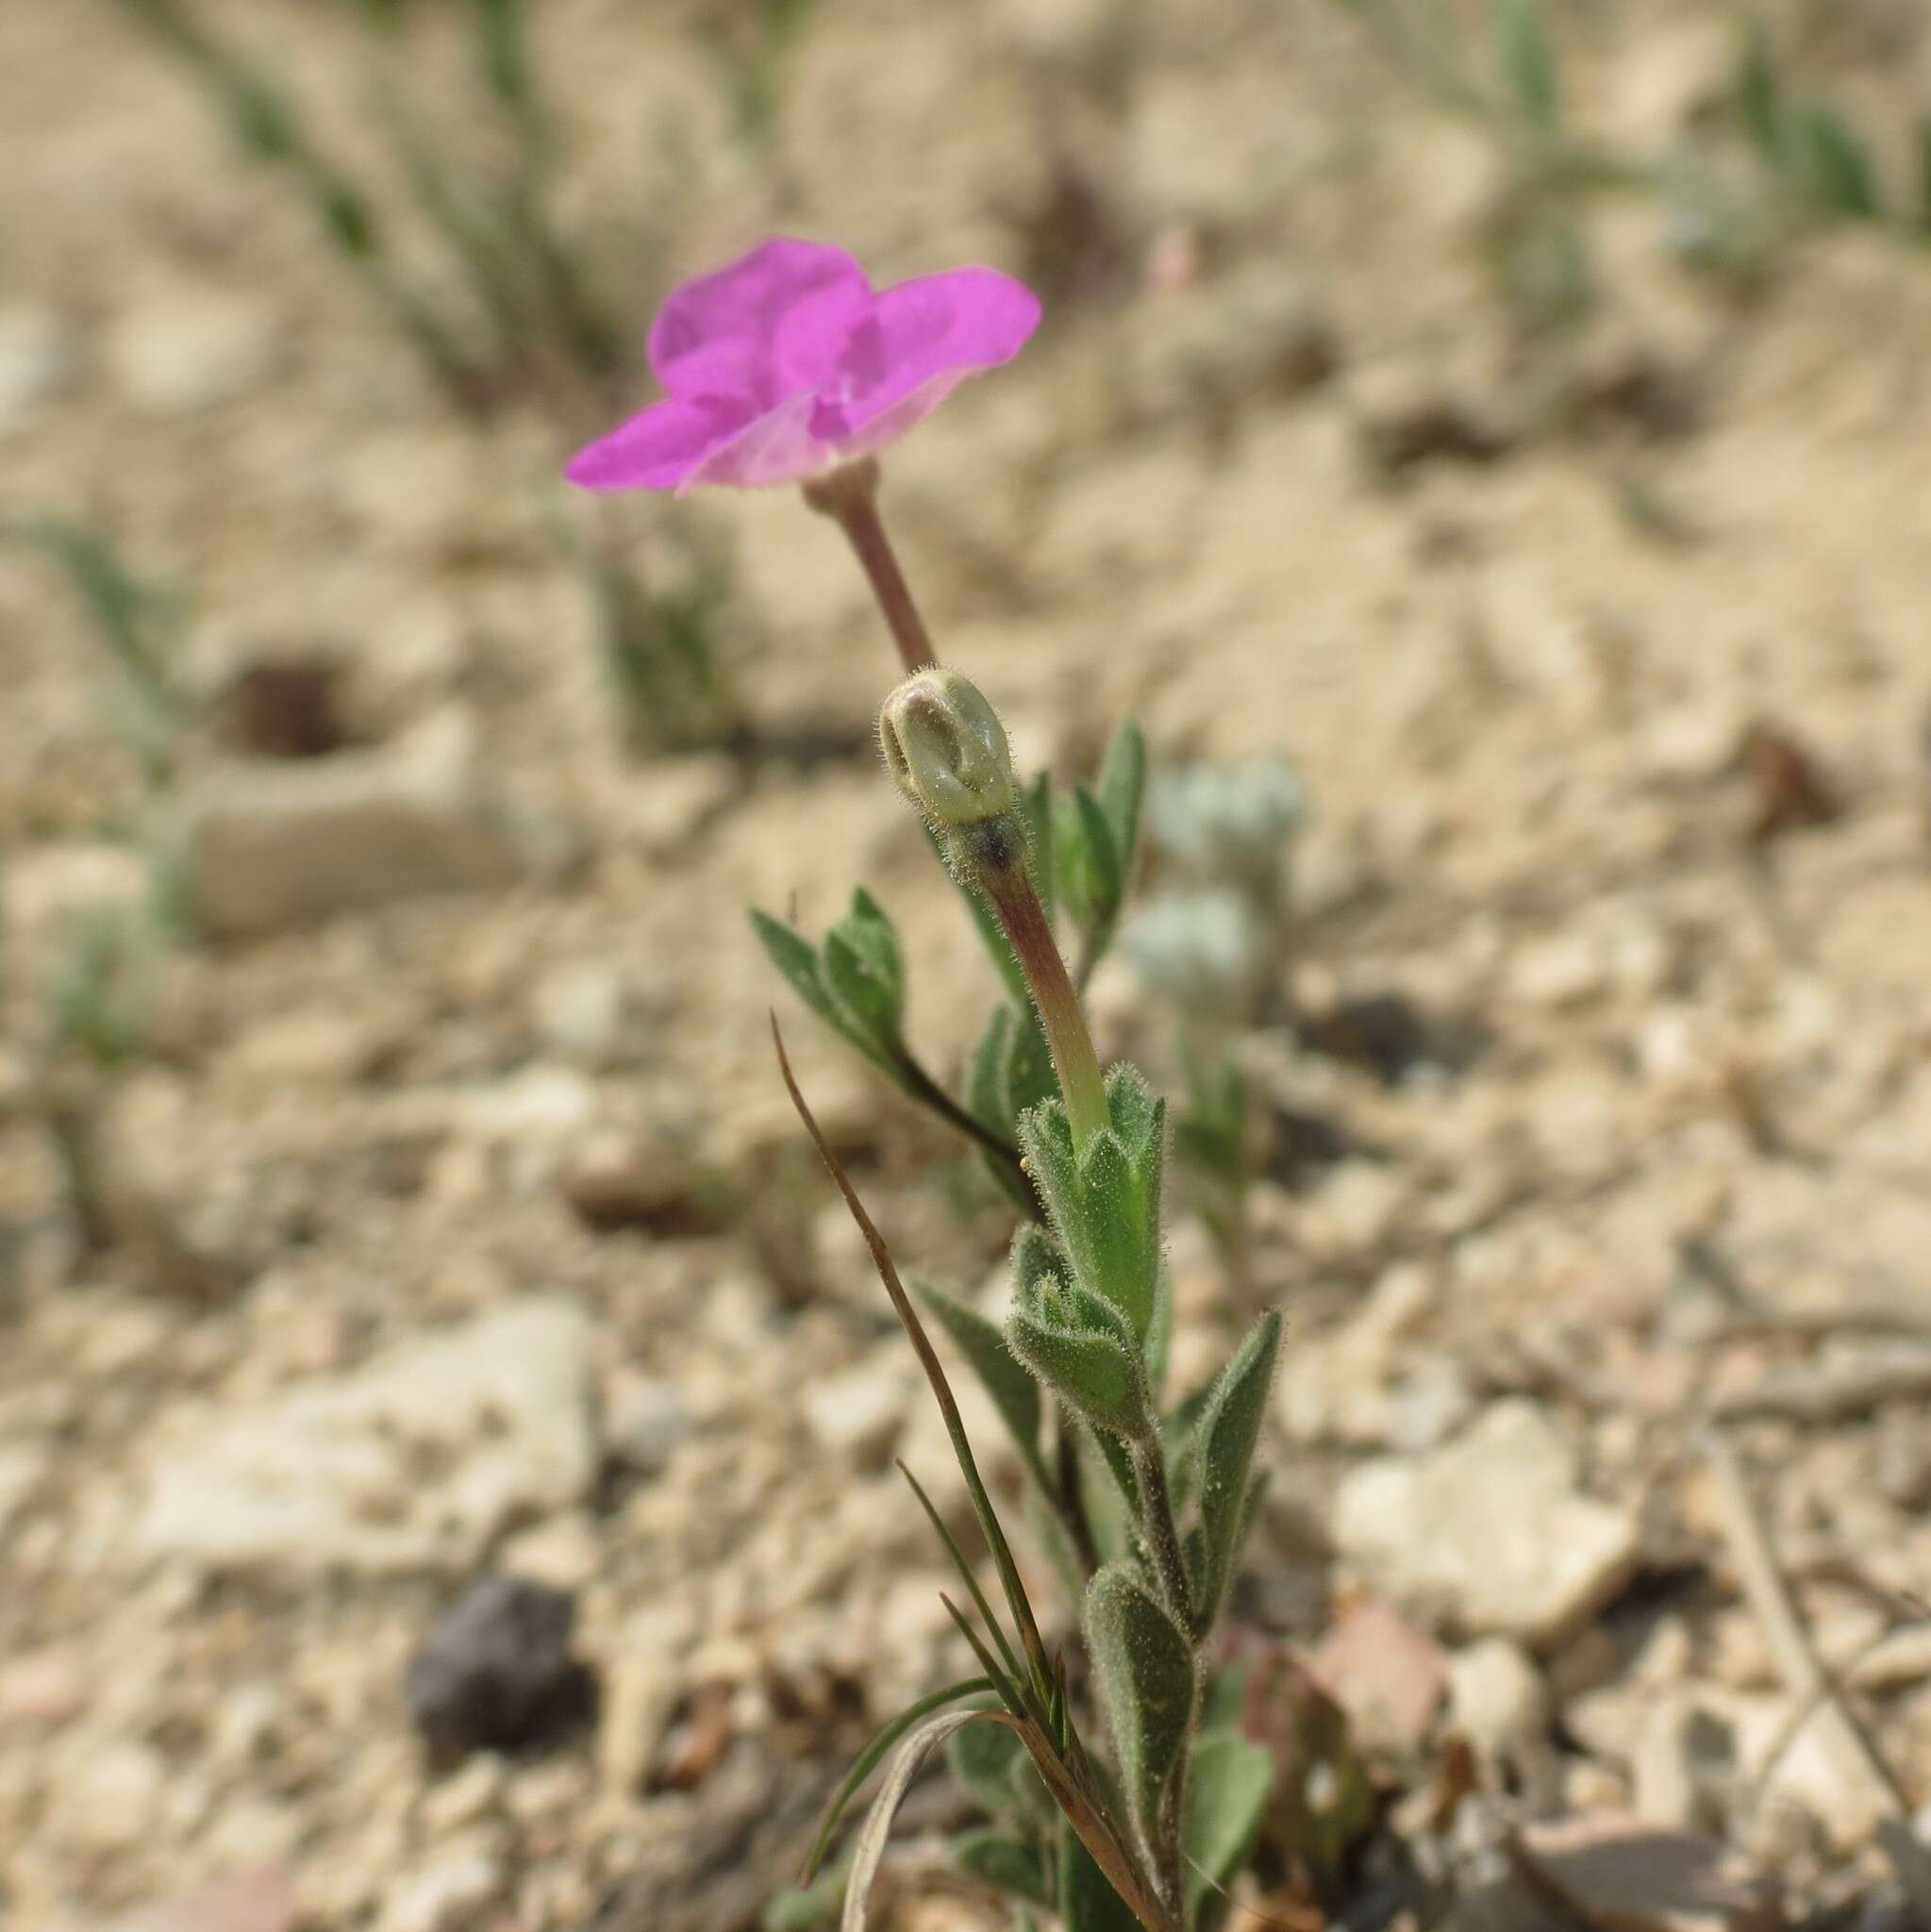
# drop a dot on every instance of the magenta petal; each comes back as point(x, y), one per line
point(776, 447)
point(924, 331)
point(771, 322)
point(659, 449)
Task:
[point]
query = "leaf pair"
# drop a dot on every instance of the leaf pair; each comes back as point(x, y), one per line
point(1077, 1342)
point(854, 982)
point(1104, 1202)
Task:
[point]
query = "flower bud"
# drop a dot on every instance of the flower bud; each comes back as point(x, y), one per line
point(946, 749)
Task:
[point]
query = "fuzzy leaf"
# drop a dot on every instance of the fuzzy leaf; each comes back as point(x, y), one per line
point(1086, 1902)
point(1092, 1371)
point(1105, 1207)
point(1225, 1442)
point(1014, 1393)
point(1006, 1864)
point(864, 970)
point(1228, 1783)
point(1143, 1664)
point(1160, 1334)
point(1122, 786)
point(1527, 61)
point(796, 960)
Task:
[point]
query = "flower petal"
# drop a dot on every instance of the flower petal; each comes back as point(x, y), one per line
point(775, 447)
point(661, 449)
point(920, 334)
point(771, 322)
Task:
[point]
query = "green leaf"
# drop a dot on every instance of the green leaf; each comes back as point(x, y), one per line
point(865, 972)
point(868, 1849)
point(1014, 1393)
point(1105, 1207)
point(1091, 881)
point(1086, 1902)
point(1228, 1783)
point(1225, 1442)
point(796, 959)
point(1758, 97)
point(1144, 1668)
point(1006, 1864)
point(1121, 786)
point(867, 1759)
point(1159, 1332)
point(1831, 163)
point(1527, 63)
point(1092, 1370)
point(983, 1759)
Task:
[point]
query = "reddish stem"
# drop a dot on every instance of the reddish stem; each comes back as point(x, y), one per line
point(849, 496)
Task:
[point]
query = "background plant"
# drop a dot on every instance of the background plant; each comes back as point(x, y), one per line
point(1777, 160)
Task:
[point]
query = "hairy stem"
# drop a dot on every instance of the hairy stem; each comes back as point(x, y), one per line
point(993, 853)
point(849, 495)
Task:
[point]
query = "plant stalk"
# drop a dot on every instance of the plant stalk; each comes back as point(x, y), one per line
point(849, 495)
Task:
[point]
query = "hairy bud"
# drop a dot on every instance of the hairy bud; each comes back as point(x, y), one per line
point(946, 749)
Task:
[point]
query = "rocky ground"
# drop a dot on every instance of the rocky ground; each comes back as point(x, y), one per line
point(471, 1230)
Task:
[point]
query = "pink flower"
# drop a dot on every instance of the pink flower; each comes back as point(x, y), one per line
point(786, 364)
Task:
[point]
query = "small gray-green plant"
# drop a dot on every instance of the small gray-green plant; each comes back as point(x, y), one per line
point(530, 313)
point(140, 625)
point(1215, 941)
point(1780, 160)
point(1146, 1501)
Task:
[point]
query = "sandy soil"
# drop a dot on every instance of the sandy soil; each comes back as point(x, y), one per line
point(1684, 1163)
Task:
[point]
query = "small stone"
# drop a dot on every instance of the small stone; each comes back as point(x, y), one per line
point(639, 1695)
point(1564, 970)
point(673, 799)
point(1489, 1533)
point(416, 1459)
point(451, 1891)
point(253, 1832)
point(36, 359)
point(463, 1797)
point(860, 1413)
point(112, 1799)
point(497, 1674)
point(565, 1551)
point(1902, 1452)
point(1685, 1761)
point(22, 1468)
point(258, 1899)
point(276, 844)
point(644, 1420)
point(579, 1011)
point(44, 1688)
point(1623, 1875)
point(1499, 1703)
point(1385, 1674)
point(178, 358)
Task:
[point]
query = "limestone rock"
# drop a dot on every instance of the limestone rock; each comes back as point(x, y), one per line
point(412, 1461)
point(1489, 1533)
point(276, 844)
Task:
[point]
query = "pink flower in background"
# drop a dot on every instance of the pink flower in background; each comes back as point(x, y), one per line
point(787, 362)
